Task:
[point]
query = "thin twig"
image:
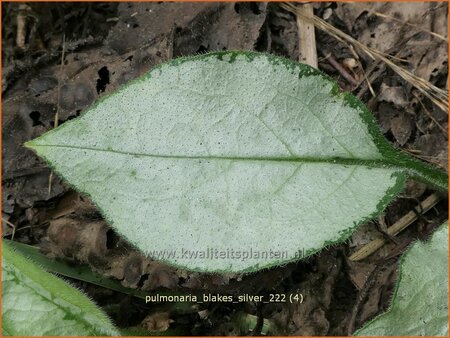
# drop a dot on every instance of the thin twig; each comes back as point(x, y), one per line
point(12, 226)
point(306, 36)
point(58, 99)
point(365, 75)
point(373, 76)
point(346, 75)
point(396, 228)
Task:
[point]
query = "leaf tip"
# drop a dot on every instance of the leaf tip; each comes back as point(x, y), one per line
point(29, 144)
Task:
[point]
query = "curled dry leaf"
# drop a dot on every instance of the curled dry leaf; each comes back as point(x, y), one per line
point(159, 321)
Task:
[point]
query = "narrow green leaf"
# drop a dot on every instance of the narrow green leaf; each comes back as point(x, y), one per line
point(36, 303)
point(82, 272)
point(237, 160)
point(420, 302)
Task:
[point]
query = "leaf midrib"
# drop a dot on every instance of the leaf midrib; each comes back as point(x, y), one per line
point(373, 163)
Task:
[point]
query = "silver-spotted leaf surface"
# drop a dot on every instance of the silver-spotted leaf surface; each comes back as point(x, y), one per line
point(36, 303)
point(420, 302)
point(235, 160)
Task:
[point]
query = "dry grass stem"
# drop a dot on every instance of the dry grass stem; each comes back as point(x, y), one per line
point(396, 228)
point(436, 95)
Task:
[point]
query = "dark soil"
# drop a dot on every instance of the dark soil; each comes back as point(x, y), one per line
point(108, 44)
